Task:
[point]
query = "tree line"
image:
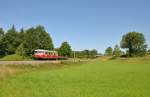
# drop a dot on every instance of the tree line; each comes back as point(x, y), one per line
point(85, 54)
point(25, 41)
point(134, 44)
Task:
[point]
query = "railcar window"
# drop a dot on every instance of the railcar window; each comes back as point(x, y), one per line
point(46, 52)
point(35, 52)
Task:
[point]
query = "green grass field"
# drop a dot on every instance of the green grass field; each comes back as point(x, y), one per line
point(14, 58)
point(99, 78)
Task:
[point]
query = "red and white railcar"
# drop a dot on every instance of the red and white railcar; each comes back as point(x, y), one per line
point(46, 54)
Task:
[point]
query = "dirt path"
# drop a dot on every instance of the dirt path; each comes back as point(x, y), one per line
point(27, 62)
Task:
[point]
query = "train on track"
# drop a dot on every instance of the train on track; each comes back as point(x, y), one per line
point(41, 54)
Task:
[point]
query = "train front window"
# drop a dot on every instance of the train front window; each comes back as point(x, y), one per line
point(46, 52)
point(35, 52)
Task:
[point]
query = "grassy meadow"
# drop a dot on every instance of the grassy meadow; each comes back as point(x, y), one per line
point(14, 57)
point(97, 78)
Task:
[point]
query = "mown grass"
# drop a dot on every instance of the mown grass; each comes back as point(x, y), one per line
point(99, 78)
point(14, 57)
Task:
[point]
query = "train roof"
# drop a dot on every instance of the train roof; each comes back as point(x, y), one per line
point(44, 50)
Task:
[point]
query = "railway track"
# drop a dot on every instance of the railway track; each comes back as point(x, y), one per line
point(28, 62)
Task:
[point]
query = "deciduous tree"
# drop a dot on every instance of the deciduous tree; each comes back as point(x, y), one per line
point(37, 38)
point(135, 43)
point(109, 51)
point(148, 52)
point(117, 51)
point(10, 40)
point(65, 49)
point(1, 33)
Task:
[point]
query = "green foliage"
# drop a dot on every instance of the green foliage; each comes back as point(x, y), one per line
point(135, 43)
point(148, 52)
point(10, 41)
point(21, 35)
point(84, 54)
point(1, 33)
point(65, 49)
point(44, 40)
point(21, 50)
point(25, 41)
point(14, 57)
point(93, 53)
point(117, 51)
point(2, 46)
point(109, 51)
point(37, 38)
point(113, 78)
point(77, 54)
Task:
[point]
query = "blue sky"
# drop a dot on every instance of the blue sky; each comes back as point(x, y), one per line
point(85, 24)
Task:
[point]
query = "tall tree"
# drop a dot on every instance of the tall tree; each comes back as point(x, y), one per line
point(117, 51)
point(29, 41)
point(93, 53)
point(44, 40)
point(21, 50)
point(109, 51)
point(135, 43)
point(1, 33)
point(11, 40)
point(86, 53)
point(148, 52)
point(2, 45)
point(37, 38)
point(65, 49)
point(21, 35)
